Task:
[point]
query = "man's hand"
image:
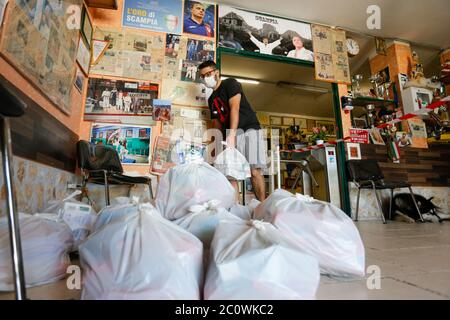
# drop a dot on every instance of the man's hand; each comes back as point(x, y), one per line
point(231, 141)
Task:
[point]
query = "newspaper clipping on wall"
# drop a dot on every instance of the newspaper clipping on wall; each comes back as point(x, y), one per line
point(330, 54)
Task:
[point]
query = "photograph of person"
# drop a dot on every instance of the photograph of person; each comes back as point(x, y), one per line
point(264, 46)
point(300, 52)
point(199, 18)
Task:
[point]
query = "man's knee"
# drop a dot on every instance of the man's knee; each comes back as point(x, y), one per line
point(255, 172)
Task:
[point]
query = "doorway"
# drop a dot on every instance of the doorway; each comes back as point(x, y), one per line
point(290, 103)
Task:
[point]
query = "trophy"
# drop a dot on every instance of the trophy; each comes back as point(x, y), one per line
point(356, 88)
point(370, 111)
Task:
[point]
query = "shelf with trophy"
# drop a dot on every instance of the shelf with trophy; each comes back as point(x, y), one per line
point(373, 106)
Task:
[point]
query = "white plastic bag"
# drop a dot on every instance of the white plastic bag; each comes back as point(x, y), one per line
point(252, 260)
point(80, 217)
point(320, 228)
point(113, 212)
point(189, 184)
point(141, 256)
point(233, 164)
point(241, 211)
point(203, 219)
point(45, 246)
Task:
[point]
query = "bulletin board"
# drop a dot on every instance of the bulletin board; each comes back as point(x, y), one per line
point(38, 42)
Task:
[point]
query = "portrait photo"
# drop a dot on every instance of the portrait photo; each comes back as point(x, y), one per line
point(199, 18)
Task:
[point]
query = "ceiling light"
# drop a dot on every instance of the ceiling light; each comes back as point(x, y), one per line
point(241, 80)
point(302, 87)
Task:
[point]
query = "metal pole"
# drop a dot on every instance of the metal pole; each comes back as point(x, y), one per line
point(13, 221)
point(278, 167)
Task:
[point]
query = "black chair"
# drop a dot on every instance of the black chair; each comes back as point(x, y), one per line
point(366, 174)
point(11, 106)
point(100, 164)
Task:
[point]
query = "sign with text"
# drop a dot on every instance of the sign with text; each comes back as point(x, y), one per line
point(161, 16)
point(359, 135)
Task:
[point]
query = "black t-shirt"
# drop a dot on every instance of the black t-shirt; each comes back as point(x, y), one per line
point(220, 109)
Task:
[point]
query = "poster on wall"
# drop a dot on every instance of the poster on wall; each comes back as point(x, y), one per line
point(244, 30)
point(418, 131)
point(118, 100)
point(330, 54)
point(37, 42)
point(353, 151)
point(132, 143)
point(199, 18)
point(162, 155)
point(185, 93)
point(159, 15)
point(161, 110)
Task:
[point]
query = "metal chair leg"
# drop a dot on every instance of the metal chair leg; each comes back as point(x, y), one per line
point(13, 221)
point(244, 191)
point(390, 204)
point(379, 203)
point(415, 203)
point(150, 190)
point(357, 204)
point(105, 176)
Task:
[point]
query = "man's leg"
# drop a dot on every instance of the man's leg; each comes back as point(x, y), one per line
point(259, 185)
point(235, 185)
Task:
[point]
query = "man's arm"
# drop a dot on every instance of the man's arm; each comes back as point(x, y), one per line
point(275, 44)
point(254, 40)
point(234, 103)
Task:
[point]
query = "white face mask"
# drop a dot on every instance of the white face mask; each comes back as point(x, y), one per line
point(210, 82)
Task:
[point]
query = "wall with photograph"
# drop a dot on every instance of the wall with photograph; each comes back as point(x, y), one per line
point(146, 45)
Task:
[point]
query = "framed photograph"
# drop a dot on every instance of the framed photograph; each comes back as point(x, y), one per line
point(83, 56)
point(276, 121)
point(353, 151)
point(403, 139)
point(302, 123)
point(380, 46)
point(161, 110)
point(288, 121)
point(120, 100)
point(79, 80)
point(199, 18)
point(86, 27)
point(329, 125)
point(376, 137)
point(127, 140)
point(257, 32)
point(360, 123)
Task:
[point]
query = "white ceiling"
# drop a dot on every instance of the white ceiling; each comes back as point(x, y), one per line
point(267, 96)
point(425, 22)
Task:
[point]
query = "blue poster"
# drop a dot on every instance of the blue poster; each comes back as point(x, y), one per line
point(156, 15)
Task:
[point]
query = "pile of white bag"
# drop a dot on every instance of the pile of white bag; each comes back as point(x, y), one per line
point(140, 255)
point(253, 260)
point(45, 247)
point(79, 216)
point(192, 184)
point(319, 228)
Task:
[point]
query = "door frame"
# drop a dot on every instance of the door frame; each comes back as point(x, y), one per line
point(340, 147)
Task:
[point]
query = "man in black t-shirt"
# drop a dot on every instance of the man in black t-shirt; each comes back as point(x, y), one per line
point(232, 113)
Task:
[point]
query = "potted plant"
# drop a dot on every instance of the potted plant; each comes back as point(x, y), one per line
point(319, 135)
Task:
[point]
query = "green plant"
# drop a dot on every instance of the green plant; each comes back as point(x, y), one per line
point(319, 134)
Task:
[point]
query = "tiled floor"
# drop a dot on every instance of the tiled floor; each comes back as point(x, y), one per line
point(414, 260)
